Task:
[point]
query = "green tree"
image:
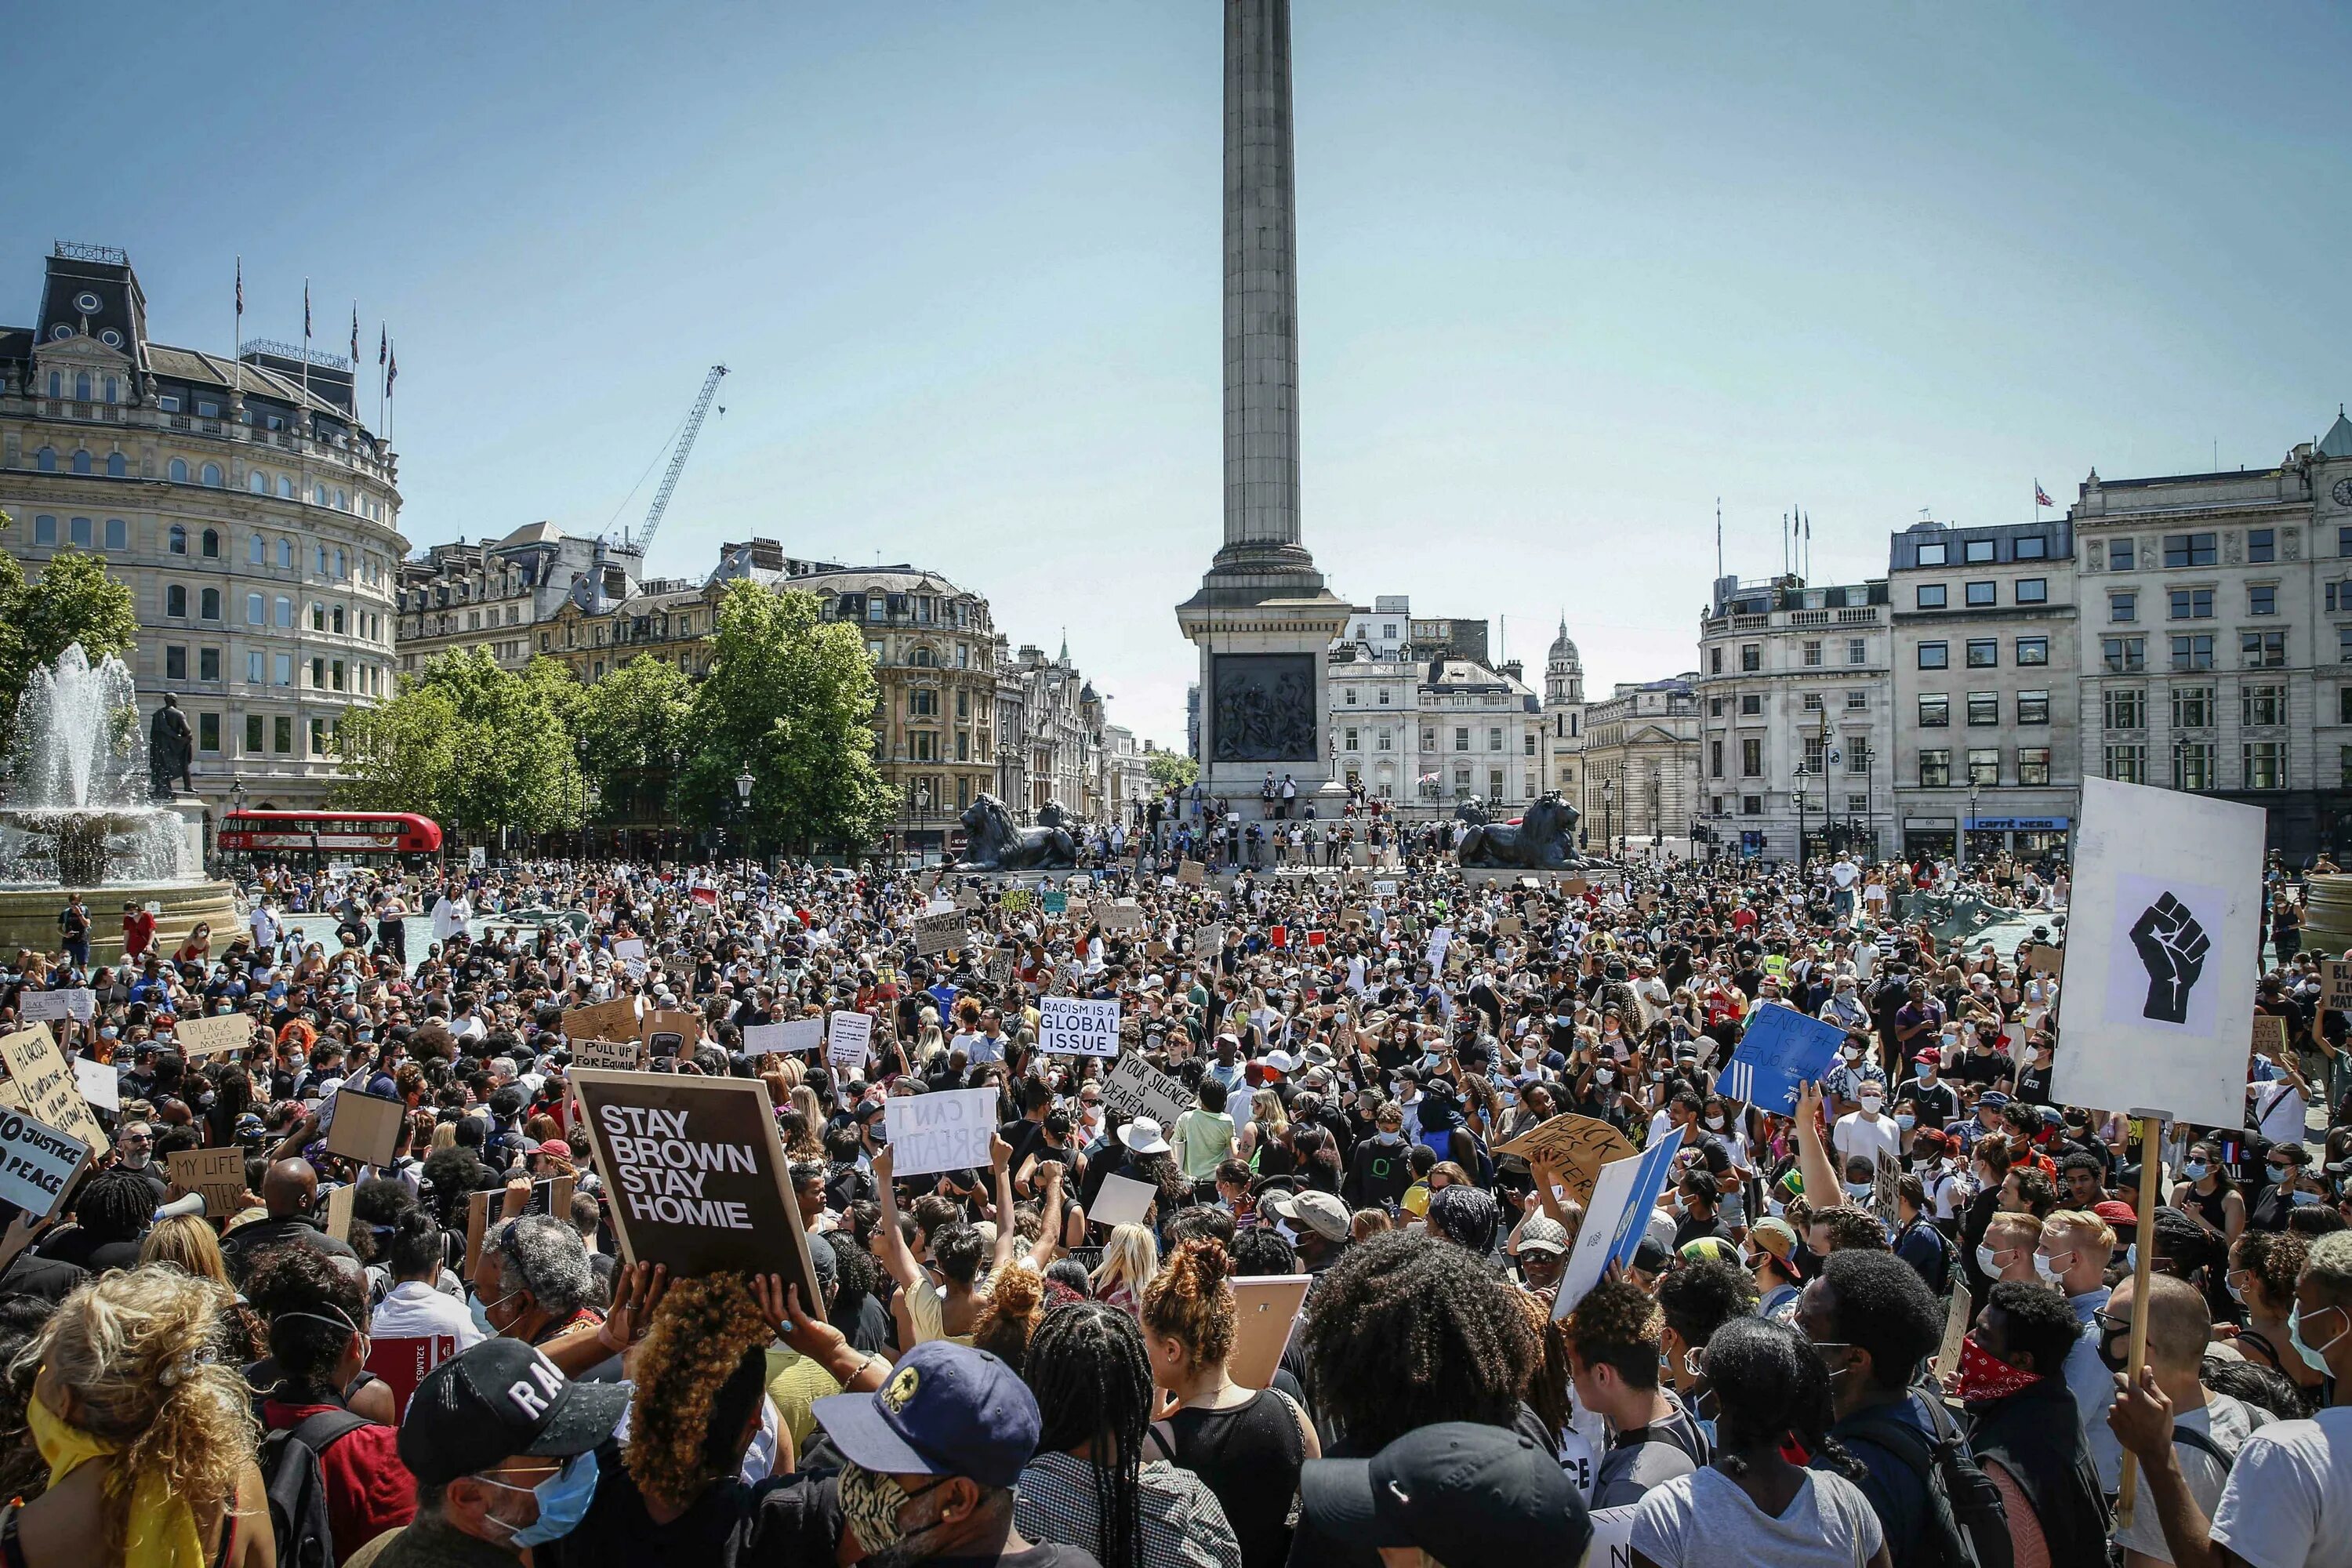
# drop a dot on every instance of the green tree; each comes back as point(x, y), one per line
point(632, 727)
point(73, 601)
point(470, 745)
point(1172, 770)
point(399, 755)
point(790, 699)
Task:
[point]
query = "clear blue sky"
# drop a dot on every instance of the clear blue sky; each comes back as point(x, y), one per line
point(1568, 274)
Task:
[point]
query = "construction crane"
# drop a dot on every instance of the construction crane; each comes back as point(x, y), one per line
point(642, 540)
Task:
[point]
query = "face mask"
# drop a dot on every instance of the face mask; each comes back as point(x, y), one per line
point(1852, 1053)
point(1987, 1261)
point(2047, 1269)
point(2196, 1170)
point(1927, 1073)
point(1871, 1102)
point(2314, 1357)
point(1714, 1123)
point(1602, 1075)
point(1906, 1121)
point(1657, 1077)
point(1282, 1228)
point(871, 1504)
point(2301, 1197)
point(563, 1500)
point(2230, 1285)
point(1859, 1191)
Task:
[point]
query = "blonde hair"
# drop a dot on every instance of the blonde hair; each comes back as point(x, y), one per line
point(1131, 1257)
point(2087, 1229)
point(701, 1332)
point(444, 1136)
point(1265, 1107)
point(1188, 1301)
point(134, 1347)
point(187, 1242)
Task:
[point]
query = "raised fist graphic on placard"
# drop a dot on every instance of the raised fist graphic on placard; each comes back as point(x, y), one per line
point(2172, 948)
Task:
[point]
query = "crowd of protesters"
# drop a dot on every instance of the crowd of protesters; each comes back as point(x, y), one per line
point(993, 1377)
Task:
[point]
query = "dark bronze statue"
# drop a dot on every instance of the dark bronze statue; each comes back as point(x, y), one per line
point(170, 751)
point(994, 843)
point(1543, 841)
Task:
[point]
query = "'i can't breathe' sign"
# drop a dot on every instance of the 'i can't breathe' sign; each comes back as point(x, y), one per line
point(695, 1174)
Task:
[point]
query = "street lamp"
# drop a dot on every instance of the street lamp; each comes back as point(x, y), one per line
point(923, 811)
point(744, 782)
point(1608, 813)
point(1967, 821)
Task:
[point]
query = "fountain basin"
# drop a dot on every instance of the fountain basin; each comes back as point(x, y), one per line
point(28, 916)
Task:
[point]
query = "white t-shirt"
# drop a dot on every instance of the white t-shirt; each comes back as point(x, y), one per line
point(2288, 1503)
point(2224, 1420)
point(1854, 1134)
point(1706, 1518)
point(2284, 1112)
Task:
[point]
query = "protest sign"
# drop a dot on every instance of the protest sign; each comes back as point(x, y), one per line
point(695, 1174)
point(1780, 1049)
point(2270, 1036)
point(1209, 941)
point(1124, 915)
point(793, 1034)
point(629, 947)
point(1000, 967)
point(56, 1007)
point(2040, 957)
point(2162, 943)
point(1277, 936)
point(1439, 941)
point(1384, 888)
point(1078, 1025)
point(218, 1174)
point(967, 899)
point(1055, 901)
point(209, 1036)
point(1013, 901)
point(612, 1056)
point(1509, 925)
point(338, 1210)
point(940, 932)
point(1576, 887)
point(1191, 873)
point(1616, 1219)
point(364, 1127)
point(1885, 1183)
point(849, 1040)
point(1122, 1200)
point(1579, 1145)
point(1956, 1319)
point(401, 1363)
point(671, 1031)
point(51, 1092)
point(97, 1083)
point(1135, 1088)
point(943, 1131)
point(614, 1020)
point(2335, 983)
point(37, 1162)
point(1612, 1537)
point(1266, 1308)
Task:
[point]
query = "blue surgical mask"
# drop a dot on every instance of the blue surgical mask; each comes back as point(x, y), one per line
point(2301, 1196)
point(563, 1500)
point(2313, 1357)
point(1860, 1191)
point(2196, 1170)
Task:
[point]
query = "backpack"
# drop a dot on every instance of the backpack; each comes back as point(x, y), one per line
point(1966, 1525)
point(298, 1489)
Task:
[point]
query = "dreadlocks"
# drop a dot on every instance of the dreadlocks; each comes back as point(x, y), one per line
point(1093, 1383)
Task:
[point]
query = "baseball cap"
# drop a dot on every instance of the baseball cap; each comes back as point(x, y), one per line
point(1541, 1233)
point(2116, 1214)
point(1319, 1211)
point(947, 1410)
point(500, 1399)
point(1477, 1493)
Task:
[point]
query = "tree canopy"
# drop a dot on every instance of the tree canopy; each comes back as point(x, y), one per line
point(73, 601)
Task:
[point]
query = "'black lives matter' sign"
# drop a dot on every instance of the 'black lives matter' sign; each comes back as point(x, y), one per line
point(695, 1174)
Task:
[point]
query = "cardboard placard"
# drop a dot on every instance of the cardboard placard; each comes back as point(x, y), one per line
point(78, 1003)
point(1191, 873)
point(614, 1020)
point(1135, 1088)
point(1209, 941)
point(1124, 915)
point(793, 1034)
point(999, 971)
point(670, 1032)
point(940, 932)
point(2270, 1036)
point(613, 1056)
point(944, 1131)
point(1122, 1200)
point(1077, 1026)
point(1883, 1191)
point(211, 1036)
point(99, 1085)
point(548, 1196)
point(1013, 901)
point(1265, 1311)
point(38, 1163)
point(849, 1037)
point(1961, 1314)
point(1509, 925)
point(364, 1127)
point(629, 947)
point(51, 1091)
point(401, 1364)
point(2047, 958)
point(1580, 1144)
point(2335, 983)
point(338, 1210)
point(695, 1176)
point(218, 1174)
point(1576, 887)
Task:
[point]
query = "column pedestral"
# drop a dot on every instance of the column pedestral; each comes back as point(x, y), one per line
point(1264, 641)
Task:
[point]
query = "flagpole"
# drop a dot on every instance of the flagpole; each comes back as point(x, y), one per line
point(237, 333)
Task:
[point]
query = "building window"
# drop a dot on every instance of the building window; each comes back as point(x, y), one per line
point(1935, 656)
point(2127, 764)
point(253, 735)
point(1984, 652)
point(1715, 655)
point(2124, 708)
point(2260, 650)
point(2123, 654)
point(1935, 768)
point(118, 534)
point(286, 554)
point(1494, 740)
point(2033, 650)
point(1858, 650)
point(1461, 739)
point(208, 603)
point(2191, 603)
point(2190, 549)
point(1388, 740)
point(212, 475)
point(2121, 555)
point(1983, 596)
point(2193, 764)
point(1984, 708)
point(2265, 763)
point(1751, 705)
point(1812, 655)
point(281, 736)
point(1984, 767)
point(1929, 596)
point(1349, 696)
point(1935, 710)
point(1751, 805)
point(1976, 551)
point(1351, 742)
point(2193, 652)
point(1812, 702)
point(1932, 554)
point(176, 540)
point(176, 663)
point(1751, 656)
point(208, 664)
point(2034, 590)
point(2033, 707)
point(283, 669)
point(1856, 700)
point(78, 531)
point(2260, 706)
point(2031, 549)
point(1528, 749)
point(1715, 752)
point(45, 530)
point(208, 546)
point(256, 613)
point(285, 615)
point(1751, 757)
point(2262, 546)
point(2262, 600)
point(175, 601)
point(2123, 607)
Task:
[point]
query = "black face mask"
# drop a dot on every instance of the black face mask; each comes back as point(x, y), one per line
point(2113, 1361)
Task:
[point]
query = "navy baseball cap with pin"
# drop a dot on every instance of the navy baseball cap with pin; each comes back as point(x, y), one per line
point(946, 1410)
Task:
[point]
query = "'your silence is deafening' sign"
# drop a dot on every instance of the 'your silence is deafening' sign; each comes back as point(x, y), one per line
point(694, 1173)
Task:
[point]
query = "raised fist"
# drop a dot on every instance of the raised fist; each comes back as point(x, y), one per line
point(2172, 948)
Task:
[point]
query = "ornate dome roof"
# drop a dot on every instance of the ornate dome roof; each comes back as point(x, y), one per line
point(1563, 651)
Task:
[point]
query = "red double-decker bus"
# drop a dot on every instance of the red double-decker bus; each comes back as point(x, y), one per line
point(338, 833)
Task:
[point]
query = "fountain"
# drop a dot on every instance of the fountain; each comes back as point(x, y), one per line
point(80, 814)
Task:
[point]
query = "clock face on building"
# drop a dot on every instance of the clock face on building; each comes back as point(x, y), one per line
point(2343, 492)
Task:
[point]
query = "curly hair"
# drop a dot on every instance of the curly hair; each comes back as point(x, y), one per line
point(1190, 1302)
point(1769, 1384)
point(1547, 1392)
point(132, 1347)
point(959, 1250)
point(2273, 1260)
point(313, 1307)
point(1016, 1299)
point(1407, 1330)
point(705, 1335)
point(1617, 1324)
point(1698, 1299)
point(1852, 1229)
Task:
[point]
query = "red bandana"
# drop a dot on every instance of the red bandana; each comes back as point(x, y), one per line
point(1985, 1377)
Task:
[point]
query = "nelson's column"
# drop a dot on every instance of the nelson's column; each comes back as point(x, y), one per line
point(1262, 618)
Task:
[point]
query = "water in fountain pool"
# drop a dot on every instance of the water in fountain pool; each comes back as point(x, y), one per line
point(77, 807)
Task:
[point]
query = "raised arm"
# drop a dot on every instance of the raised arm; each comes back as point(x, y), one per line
point(1049, 1230)
point(1000, 1160)
point(1815, 1166)
point(896, 1260)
